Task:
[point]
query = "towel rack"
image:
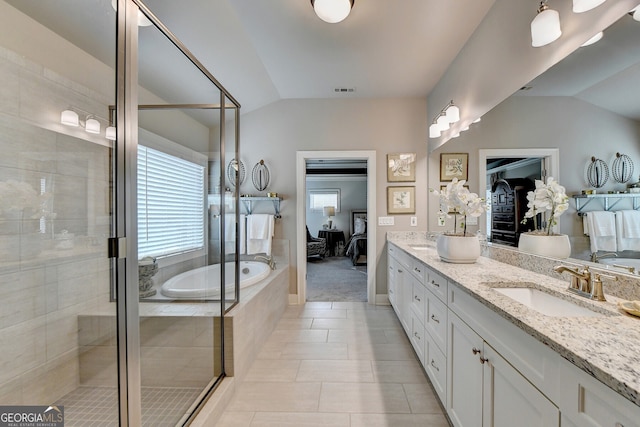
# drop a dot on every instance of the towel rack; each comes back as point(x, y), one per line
point(609, 201)
point(248, 201)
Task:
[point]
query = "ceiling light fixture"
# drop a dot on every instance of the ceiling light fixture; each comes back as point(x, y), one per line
point(545, 27)
point(635, 13)
point(593, 39)
point(580, 6)
point(442, 122)
point(332, 11)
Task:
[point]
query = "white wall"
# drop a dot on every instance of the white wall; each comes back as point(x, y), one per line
point(579, 129)
point(274, 133)
point(498, 59)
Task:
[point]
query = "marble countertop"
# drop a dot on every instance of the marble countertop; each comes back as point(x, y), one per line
point(607, 347)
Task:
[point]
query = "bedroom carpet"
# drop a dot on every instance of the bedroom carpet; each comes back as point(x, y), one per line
point(336, 279)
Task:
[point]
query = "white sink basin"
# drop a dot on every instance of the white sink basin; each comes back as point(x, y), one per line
point(547, 304)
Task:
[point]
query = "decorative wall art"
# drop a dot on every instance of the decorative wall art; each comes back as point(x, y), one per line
point(454, 165)
point(260, 176)
point(401, 200)
point(236, 172)
point(401, 167)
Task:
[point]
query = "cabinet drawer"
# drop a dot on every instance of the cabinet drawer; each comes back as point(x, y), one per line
point(419, 270)
point(418, 299)
point(417, 337)
point(436, 322)
point(436, 367)
point(437, 284)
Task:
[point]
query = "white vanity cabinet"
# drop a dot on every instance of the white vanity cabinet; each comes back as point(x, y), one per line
point(486, 370)
point(485, 390)
point(586, 402)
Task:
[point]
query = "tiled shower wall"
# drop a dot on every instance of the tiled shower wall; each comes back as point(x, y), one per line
point(43, 285)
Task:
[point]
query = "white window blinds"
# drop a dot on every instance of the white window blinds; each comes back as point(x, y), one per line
point(170, 204)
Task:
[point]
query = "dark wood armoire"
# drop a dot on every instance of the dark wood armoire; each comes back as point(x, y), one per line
point(508, 206)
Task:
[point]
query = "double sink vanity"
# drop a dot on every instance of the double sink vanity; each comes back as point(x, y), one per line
point(507, 346)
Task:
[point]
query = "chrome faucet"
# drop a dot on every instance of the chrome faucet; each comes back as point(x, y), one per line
point(596, 258)
point(268, 259)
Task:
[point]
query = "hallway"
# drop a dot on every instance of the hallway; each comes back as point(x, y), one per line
point(336, 364)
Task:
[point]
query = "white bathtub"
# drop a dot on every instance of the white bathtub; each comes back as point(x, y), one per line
point(628, 262)
point(204, 282)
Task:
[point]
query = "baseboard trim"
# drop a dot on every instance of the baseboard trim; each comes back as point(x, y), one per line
point(293, 299)
point(382, 299)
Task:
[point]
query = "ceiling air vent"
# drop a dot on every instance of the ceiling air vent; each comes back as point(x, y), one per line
point(344, 89)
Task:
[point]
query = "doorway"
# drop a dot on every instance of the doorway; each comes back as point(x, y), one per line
point(367, 160)
point(546, 159)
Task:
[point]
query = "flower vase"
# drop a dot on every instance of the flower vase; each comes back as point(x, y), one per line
point(552, 246)
point(458, 249)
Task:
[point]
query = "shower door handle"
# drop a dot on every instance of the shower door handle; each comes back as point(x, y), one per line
point(117, 247)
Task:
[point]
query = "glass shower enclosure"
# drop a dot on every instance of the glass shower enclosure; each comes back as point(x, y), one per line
point(114, 141)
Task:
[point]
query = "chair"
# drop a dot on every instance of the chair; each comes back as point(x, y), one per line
point(315, 245)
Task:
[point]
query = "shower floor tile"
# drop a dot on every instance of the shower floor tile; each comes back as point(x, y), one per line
point(98, 406)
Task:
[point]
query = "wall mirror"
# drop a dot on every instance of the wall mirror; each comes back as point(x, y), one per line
point(586, 105)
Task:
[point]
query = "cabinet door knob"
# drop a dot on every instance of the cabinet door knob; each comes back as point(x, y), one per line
point(415, 334)
point(476, 351)
point(416, 298)
point(483, 360)
point(433, 364)
point(433, 282)
point(435, 319)
point(416, 269)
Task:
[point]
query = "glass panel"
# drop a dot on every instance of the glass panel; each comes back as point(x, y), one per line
point(57, 323)
point(180, 212)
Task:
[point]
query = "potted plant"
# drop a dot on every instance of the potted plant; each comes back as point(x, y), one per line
point(459, 246)
point(541, 240)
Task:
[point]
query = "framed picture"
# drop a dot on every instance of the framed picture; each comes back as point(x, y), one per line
point(401, 167)
point(401, 200)
point(454, 165)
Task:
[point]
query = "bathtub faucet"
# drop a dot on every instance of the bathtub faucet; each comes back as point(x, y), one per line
point(268, 259)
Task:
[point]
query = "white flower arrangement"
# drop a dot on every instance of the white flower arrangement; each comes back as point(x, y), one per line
point(546, 197)
point(457, 199)
point(19, 196)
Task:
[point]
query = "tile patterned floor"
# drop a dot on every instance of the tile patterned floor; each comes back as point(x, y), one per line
point(98, 406)
point(336, 364)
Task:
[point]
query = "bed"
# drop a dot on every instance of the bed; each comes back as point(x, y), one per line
point(357, 243)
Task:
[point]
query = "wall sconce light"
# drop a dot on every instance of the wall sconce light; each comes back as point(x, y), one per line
point(69, 118)
point(110, 133)
point(92, 125)
point(545, 27)
point(332, 11)
point(635, 13)
point(442, 122)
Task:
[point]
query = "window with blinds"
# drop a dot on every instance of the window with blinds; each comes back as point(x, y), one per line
point(318, 199)
point(170, 204)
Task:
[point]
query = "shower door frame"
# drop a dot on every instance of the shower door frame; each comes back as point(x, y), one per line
point(124, 255)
